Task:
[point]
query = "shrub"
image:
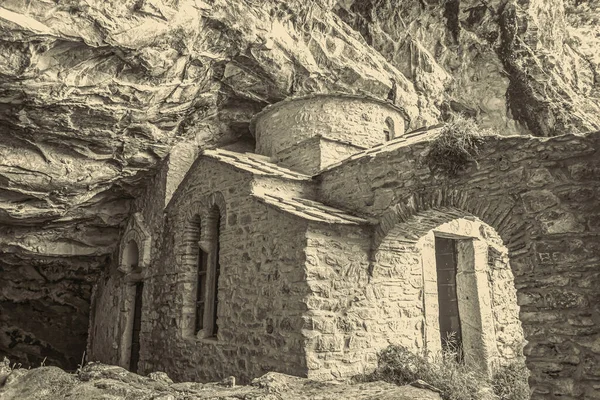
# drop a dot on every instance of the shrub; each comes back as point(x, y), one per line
point(510, 382)
point(456, 146)
point(455, 379)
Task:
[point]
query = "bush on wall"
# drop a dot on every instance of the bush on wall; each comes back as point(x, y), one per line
point(456, 146)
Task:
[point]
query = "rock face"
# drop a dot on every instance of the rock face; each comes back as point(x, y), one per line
point(93, 94)
point(47, 319)
point(99, 381)
point(522, 66)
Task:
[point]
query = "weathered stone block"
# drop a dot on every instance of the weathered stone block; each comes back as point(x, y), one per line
point(560, 221)
point(538, 200)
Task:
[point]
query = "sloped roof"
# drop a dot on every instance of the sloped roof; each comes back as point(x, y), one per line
point(310, 210)
point(402, 141)
point(255, 163)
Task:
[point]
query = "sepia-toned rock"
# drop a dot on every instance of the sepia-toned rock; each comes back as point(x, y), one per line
point(217, 188)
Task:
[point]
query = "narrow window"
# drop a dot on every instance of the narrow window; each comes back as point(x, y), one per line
point(194, 260)
point(215, 327)
point(389, 129)
point(208, 278)
point(201, 289)
point(446, 266)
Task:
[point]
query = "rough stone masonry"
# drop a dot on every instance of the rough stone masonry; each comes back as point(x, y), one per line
point(248, 266)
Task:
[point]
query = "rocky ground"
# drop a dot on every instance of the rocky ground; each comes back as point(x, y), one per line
point(105, 382)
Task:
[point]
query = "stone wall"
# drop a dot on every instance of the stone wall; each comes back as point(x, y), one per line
point(111, 300)
point(303, 157)
point(315, 154)
point(358, 305)
point(352, 119)
point(540, 195)
point(261, 285)
point(332, 151)
point(339, 317)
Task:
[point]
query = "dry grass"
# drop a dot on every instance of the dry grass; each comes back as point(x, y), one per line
point(456, 146)
point(510, 382)
point(454, 379)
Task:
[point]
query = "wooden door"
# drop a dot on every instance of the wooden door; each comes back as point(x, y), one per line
point(446, 266)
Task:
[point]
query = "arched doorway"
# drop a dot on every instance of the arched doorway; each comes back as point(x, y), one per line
point(131, 311)
point(451, 274)
point(467, 264)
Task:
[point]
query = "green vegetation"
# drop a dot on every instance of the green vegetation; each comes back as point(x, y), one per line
point(454, 379)
point(456, 146)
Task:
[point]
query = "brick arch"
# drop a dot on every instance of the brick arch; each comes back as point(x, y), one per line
point(216, 209)
point(196, 223)
point(189, 232)
point(436, 207)
point(194, 210)
point(217, 199)
point(136, 232)
point(189, 235)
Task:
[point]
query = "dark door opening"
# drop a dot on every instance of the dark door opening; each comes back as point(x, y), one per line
point(137, 326)
point(446, 266)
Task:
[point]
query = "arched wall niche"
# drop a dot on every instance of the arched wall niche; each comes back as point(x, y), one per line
point(131, 256)
point(136, 239)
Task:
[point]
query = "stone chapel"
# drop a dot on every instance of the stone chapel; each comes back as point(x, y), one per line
point(333, 239)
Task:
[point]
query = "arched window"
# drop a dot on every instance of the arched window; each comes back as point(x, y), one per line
point(213, 233)
point(206, 256)
point(389, 129)
point(202, 269)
